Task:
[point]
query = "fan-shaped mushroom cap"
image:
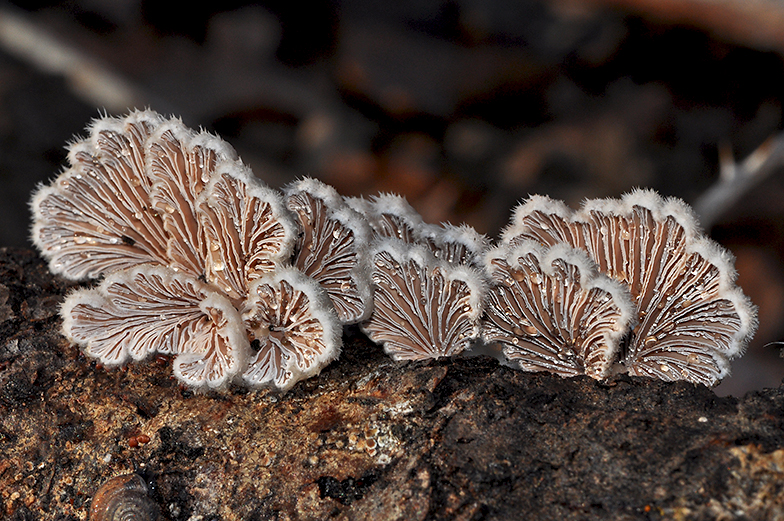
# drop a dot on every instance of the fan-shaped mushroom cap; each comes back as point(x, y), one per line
point(332, 247)
point(390, 215)
point(295, 325)
point(455, 244)
point(552, 311)
point(181, 163)
point(97, 216)
point(423, 307)
point(247, 229)
point(147, 309)
point(692, 316)
point(129, 198)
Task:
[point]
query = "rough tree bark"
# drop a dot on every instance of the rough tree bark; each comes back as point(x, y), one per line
point(464, 439)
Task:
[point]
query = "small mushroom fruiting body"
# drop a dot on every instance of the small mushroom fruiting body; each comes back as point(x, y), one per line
point(182, 232)
point(553, 312)
point(423, 307)
point(124, 498)
point(151, 309)
point(297, 331)
point(332, 247)
point(692, 317)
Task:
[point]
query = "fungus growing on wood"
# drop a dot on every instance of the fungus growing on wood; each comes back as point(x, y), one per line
point(150, 309)
point(293, 326)
point(692, 317)
point(332, 247)
point(183, 232)
point(247, 230)
point(97, 216)
point(423, 307)
point(552, 311)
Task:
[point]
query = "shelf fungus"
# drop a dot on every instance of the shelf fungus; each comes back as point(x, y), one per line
point(552, 311)
point(186, 238)
point(293, 326)
point(423, 307)
point(332, 247)
point(242, 283)
point(391, 216)
point(691, 317)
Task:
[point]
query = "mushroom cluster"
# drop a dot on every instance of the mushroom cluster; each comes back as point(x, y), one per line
point(199, 259)
point(243, 283)
point(688, 316)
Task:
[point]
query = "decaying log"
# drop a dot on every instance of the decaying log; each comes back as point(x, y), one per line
point(369, 438)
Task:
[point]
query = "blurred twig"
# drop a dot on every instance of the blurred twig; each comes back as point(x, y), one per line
point(736, 179)
point(89, 79)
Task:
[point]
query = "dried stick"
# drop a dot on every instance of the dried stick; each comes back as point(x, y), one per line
point(737, 179)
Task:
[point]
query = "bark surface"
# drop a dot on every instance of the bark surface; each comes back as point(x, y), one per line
point(369, 438)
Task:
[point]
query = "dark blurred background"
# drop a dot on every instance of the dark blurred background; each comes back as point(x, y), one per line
point(463, 106)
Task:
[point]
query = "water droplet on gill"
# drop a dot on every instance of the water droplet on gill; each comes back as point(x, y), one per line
point(169, 209)
point(530, 330)
point(345, 286)
point(336, 234)
point(692, 359)
point(544, 226)
point(515, 341)
point(625, 234)
point(518, 275)
point(135, 182)
point(665, 368)
point(650, 340)
point(218, 266)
